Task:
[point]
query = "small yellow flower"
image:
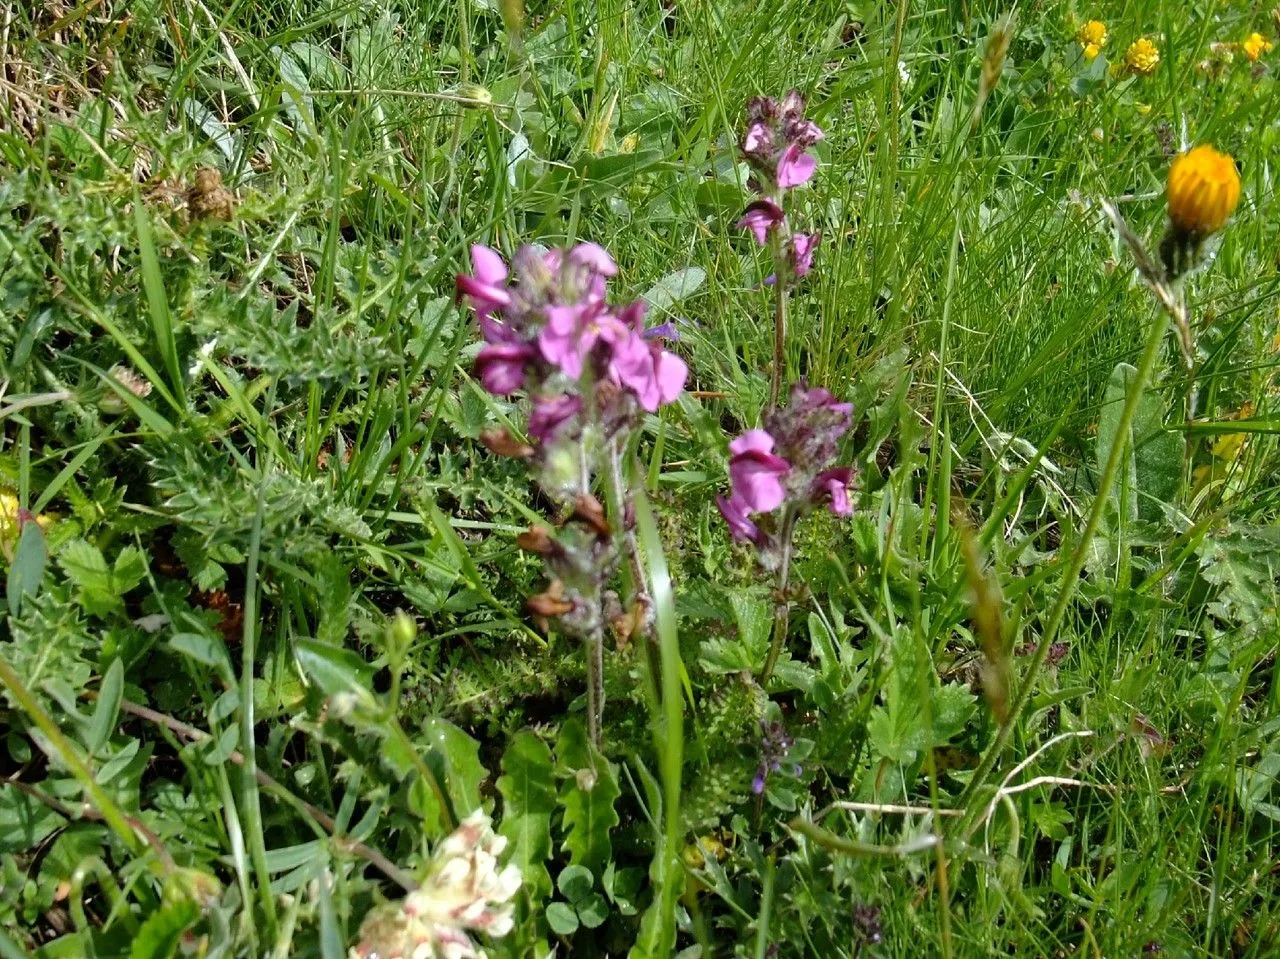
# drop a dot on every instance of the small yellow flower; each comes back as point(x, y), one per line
point(1255, 46)
point(1091, 51)
point(1092, 35)
point(1143, 108)
point(1142, 57)
point(1203, 190)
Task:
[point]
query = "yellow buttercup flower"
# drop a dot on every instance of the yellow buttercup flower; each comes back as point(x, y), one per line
point(1203, 190)
point(1091, 51)
point(1142, 57)
point(1092, 34)
point(1255, 46)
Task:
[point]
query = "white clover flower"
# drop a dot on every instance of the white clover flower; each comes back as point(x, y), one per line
point(464, 890)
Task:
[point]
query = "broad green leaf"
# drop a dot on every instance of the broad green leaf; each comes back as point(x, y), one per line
point(574, 883)
point(587, 797)
point(1152, 463)
point(208, 650)
point(457, 755)
point(159, 936)
point(673, 288)
point(562, 919)
point(333, 669)
point(528, 793)
point(108, 708)
point(27, 571)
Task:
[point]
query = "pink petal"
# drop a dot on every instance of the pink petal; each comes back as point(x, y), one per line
point(757, 440)
point(670, 374)
point(595, 257)
point(795, 167)
point(487, 265)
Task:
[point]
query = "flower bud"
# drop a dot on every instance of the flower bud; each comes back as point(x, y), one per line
point(498, 440)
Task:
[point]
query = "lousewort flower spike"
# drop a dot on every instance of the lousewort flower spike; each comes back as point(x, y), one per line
point(776, 146)
point(592, 371)
point(779, 473)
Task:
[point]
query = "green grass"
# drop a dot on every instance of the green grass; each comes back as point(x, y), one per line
point(305, 460)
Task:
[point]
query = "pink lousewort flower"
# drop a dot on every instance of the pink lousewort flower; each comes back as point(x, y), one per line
point(833, 485)
point(761, 217)
point(549, 415)
point(571, 333)
point(756, 473)
point(594, 257)
point(735, 513)
point(654, 375)
point(802, 247)
point(501, 366)
point(486, 288)
point(795, 166)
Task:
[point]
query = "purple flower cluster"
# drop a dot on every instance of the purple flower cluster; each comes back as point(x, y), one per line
point(776, 145)
point(549, 329)
point(775, 749)
point(788, 464)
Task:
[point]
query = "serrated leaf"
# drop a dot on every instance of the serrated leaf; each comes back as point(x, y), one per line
point(528, 790)
point(129, 570)
point(587, 797)
point(87, 569)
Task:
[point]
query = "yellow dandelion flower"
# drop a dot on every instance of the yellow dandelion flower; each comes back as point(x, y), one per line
point(1203, 190)
point(1255, 46)
point(1092, 34)
point(1142, 57)
point(1091, 51)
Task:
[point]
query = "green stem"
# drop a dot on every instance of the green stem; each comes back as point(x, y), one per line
point(1071, 575)
point(249, 799)
point(781, 281)
point(66, 753)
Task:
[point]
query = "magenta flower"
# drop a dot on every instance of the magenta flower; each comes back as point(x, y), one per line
point(803, 133)
point(758, 141)
point(594, 257)
point(802, 247)
point(795, 166)
point(501, 366)
point(761, 217)
point(834, 483)
point(487, 287)
point(734, 512)
point(644, 367)
point(756, 474)
point(572, 332)
point(549, 415)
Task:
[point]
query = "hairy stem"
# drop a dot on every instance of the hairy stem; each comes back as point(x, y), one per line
point(594, 643)
point(781, 276)
point(782, 611)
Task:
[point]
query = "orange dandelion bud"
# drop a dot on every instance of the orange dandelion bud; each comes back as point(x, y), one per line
point(1203, 190)
point(1142, 57)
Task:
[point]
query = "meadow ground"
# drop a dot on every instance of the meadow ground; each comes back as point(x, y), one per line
point(276, 622)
